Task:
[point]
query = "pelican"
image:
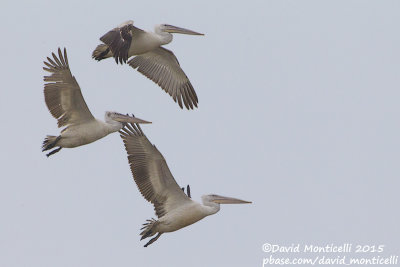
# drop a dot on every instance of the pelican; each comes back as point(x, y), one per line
point(149, 57)
point(172, 206)
point(65, 102)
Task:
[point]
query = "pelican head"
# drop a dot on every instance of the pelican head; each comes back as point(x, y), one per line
point(173, 29)
point(112, 117)
point(222, 200)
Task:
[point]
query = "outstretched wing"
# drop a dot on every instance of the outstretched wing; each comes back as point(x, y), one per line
point(150, 171)
point(119, 40)
point(62, 94)
point(161, 66)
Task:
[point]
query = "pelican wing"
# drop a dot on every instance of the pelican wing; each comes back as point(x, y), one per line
point(150, 171)
point(62, 93)
point(119, 40)
point(161, 66)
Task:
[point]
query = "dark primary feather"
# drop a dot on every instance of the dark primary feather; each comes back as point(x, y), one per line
point(119, 41)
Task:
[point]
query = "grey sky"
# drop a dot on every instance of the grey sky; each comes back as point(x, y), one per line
point(298, 112)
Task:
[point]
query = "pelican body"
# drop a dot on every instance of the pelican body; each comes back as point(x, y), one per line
point(173, 207)
point(191, 212)
point(150, 58)
point(65, 102)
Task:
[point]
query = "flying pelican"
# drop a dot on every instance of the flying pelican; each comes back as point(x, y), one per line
point(149, 57)
point(65, 102)
point(174, 209)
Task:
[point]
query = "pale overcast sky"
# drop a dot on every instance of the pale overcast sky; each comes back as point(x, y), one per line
point(298, 112)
